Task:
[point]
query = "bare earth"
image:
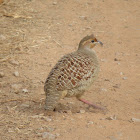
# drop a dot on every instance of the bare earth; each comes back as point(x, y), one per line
point(35, 34)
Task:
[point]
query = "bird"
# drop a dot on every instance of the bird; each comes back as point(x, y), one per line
point(73, 74)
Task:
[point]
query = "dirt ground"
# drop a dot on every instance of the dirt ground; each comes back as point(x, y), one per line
point(35, 34)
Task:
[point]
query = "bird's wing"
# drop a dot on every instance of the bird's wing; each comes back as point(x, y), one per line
point(71, 70)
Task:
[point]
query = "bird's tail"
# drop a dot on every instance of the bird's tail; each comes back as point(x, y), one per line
point(52, 98)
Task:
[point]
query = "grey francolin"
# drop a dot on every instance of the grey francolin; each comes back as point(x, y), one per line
point(73, 74)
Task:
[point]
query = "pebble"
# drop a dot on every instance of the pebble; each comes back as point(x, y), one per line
point(25, 90)
point(16, 73)
point(16, 87)
point(49, 136)
point(90, 122)
point(83, 17)
point(48, 119)
point(124, 78)
point(88, 28)
point(82, 111)
point(135, 120)
point(117, 86)
point(118, 63)
point(112, 117)
point(121, 73)
point(103, 60)
point(1, 74)
point(54, 3)
point(70, 25)
point(10, 130)
point(115, 59)
point(103, 89)
point(14, 62)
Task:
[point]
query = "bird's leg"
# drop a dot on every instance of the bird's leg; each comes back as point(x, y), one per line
point(91, 104)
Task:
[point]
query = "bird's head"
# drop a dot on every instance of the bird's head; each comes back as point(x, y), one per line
point(89, 42)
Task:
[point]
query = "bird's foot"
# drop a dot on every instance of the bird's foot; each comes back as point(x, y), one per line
point(91, 104)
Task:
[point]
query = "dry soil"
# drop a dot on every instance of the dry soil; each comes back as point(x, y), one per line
point(34, 34)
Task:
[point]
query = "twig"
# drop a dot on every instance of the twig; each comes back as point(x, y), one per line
point(58, 43)
point(5, 59)
point(12, 100)
point(16, 16)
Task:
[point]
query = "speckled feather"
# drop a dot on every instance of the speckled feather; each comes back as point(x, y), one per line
point(71, 76)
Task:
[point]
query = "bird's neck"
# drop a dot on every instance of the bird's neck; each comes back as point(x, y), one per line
point(88, 50)
point(91, 54)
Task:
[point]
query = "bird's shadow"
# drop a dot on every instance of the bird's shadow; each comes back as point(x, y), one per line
point(35, 108)
point(66, 108)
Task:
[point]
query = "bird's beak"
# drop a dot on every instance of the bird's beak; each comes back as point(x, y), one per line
point(100, 42)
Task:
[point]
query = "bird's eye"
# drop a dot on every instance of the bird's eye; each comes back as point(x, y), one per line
point(92, 41)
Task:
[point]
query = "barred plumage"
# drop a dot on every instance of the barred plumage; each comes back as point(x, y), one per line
point(72, 74)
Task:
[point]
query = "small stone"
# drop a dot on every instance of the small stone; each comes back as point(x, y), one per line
point(88, 28)
point(48, 119)
point(82, 111)
point(1, 74)
point(39, 134)
point(70, 25)
point(10, 130)
point(121, 73)
point(115, 59)
point(103, 60)
point(16, 73)
point(25, 90)
point(90, 122)
point(14, 62)
point(112, 118)
point(16, 87)
point(103, 89)
point(54, 3)
point(118, 63)
point(47, 135)
point(124, 78)
point(135, 120)
point(107, 80)
point(83, 17)
point(116, 86)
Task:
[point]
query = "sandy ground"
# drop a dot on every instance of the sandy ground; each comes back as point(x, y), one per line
point(35, 34)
